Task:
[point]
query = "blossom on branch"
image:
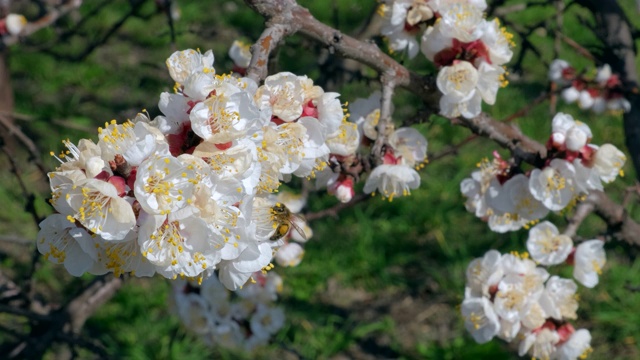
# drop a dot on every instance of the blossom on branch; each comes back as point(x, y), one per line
point(599, 93)
point(470, 52)
point(245, 319)
point(509, 197)
point(508, 296)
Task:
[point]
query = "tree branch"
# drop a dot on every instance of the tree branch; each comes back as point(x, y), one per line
point(299, 19)
point(505, 135)
point(68, 320)
point(385, 124)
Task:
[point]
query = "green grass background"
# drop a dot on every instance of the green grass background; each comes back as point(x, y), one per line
point(380, 280)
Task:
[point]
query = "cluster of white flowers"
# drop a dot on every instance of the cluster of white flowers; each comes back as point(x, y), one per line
point(469, 50)
point(508, 296)
point(243, 319)
point(509, 197)
point(187, 193)
point(404, 154)
point(12, 24)
point(404, 20)
point(599, 93)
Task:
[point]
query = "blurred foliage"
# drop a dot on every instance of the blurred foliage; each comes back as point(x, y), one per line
point(384, 279)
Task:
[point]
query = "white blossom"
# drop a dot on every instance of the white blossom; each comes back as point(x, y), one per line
point(225, 117)
point(547, 246)
point(608, 162)
point(283, 93)
point(240, 54)
point(98, 207)
point(480, 319)
point(164, 185)
point(589, 260)
point(497, 41)
point(577, 347)
point(554, 185)
point(61, 242)
point(401, 21)
point(541, 344)
point(182, 64)
point(560, 298)
point(557, 69)
point(462, 20)
point(392, 180)
point(15, 23)
point(409, 146)
point(484, 272)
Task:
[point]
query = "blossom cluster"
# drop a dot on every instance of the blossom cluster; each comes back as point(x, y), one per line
point(243, 319)
point(468, 50)
point(508, 296)
point(190, 192)
point(599, 93)
point(509, 197)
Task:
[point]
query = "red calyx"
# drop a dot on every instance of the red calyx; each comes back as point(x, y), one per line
point(389, 158)
point(184, 142)
point(119, 183)
point(276, 120)
point(240, 70)
point(568, 73)
point(310, 110)
point(132, 177)
point(411, 29)
point(224, 146)
point(565, 331)
point(470, 52)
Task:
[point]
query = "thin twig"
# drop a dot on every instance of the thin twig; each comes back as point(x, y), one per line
point(385, 124)
point(583, 210)
point(15, 239)
point(525, 110)
point(629, 193)
point(45, 21)
point(25, 313)
point(334, 210)
point(75, 340)
point(31, 209)
point(452, 150)
point(579, 48)
point(28, 143)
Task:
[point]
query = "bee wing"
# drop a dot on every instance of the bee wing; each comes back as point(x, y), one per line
point(295, 218)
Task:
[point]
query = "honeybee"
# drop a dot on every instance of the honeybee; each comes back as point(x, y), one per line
point(284, 220)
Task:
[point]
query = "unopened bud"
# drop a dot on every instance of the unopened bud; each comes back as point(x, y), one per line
point(576, 139)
